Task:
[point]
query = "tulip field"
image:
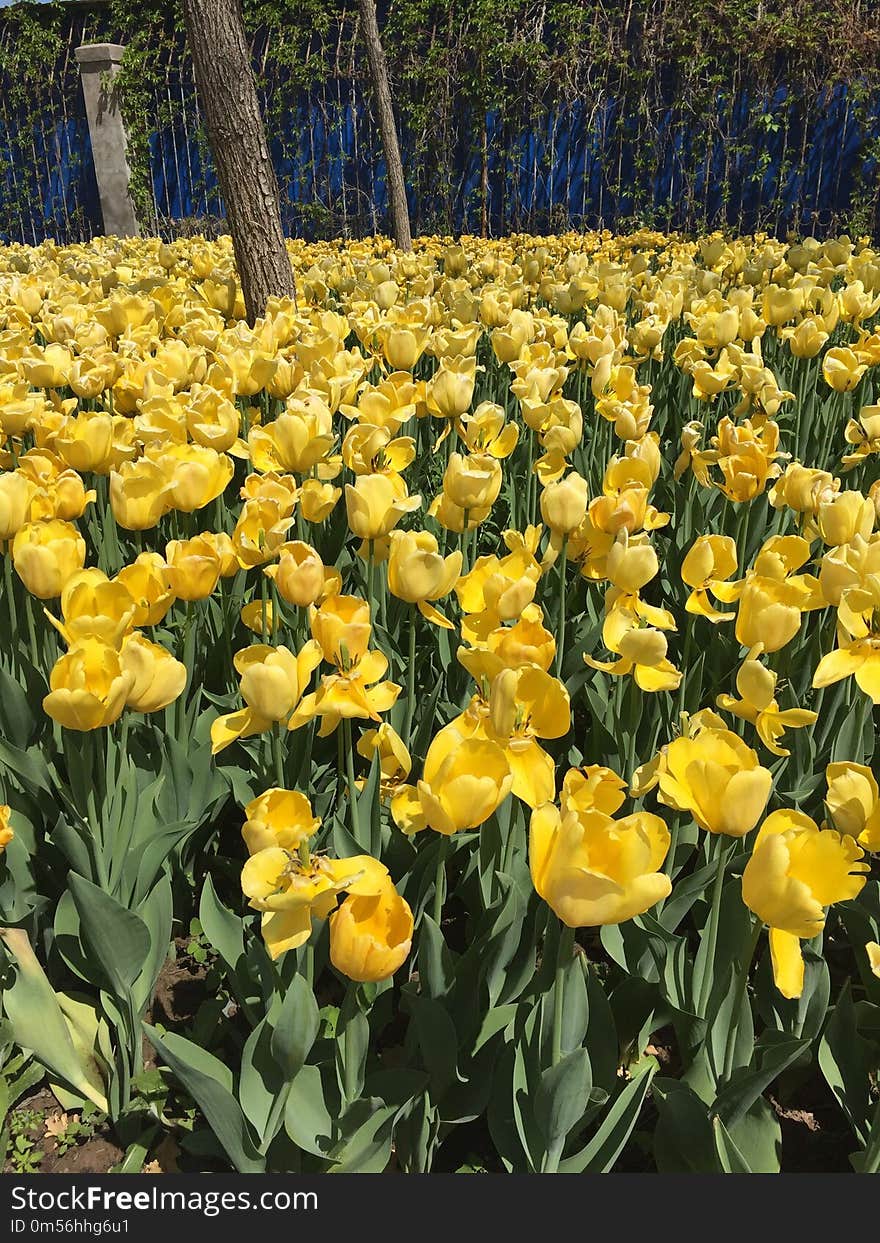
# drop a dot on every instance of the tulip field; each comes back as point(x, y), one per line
point(437, 721)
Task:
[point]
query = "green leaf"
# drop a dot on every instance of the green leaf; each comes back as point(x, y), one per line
point(599, 1155)
point(117, 938)
point(222, 928)
point(846, 1059)
point(774, 1051)
point(729, 1156)
point(368, 1148)
point(562, 1096)
point(683, 1141)
point(209, 1082)
point(38, 1023)
point(437, 1039)
point(436, 964)
point(295, 1028)
point(307, 1119)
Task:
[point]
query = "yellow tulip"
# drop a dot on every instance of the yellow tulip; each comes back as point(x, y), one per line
point(592, 870)
point(795, 871)
point(16, 494)
point(371, 934)
point(342, 628)
point(853, 801)
point(592, 788)
point(757, 687)
point(278, 817)
point(474, 482)
point(417, 573)
point(46, 554)
point(376, 503)
point(714, 776)
point(88, 687)
point(842, 369)
point(564, 504)
point(158, 679)
point(300, 575)
point(147, 583)
point(94, 607)
point(845, 516)
point(642, 652)
point(261, 530)
point(465, 781)
point(451, 390)
point(6, 831)
point(139, 494)
point(349, 694)
point(193, 568)
point(710, 559)
point(196, 476)
point(273, 681)
point(290, 892)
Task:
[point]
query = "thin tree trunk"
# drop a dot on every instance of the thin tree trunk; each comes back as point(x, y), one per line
point(228, 93)
point(387, 127)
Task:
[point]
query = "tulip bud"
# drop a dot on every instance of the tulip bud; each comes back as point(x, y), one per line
point(564, 504)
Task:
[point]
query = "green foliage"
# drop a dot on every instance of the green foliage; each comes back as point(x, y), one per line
point(470, 77)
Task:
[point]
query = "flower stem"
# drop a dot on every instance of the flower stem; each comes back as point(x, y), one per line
point(739, 988)
point(352, 788)
point(410, 677)
point(440, 878)
point(712, 942)
point(560, 632)
point(566, 949)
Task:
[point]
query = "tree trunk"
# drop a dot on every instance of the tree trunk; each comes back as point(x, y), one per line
point(387, 127)
point(228, 94)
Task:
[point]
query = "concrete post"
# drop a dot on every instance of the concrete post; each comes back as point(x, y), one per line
point(98, 65)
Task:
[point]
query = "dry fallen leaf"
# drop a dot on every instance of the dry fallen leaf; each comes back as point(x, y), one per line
point(57, 1124)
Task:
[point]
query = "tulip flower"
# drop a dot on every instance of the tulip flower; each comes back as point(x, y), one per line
point(342, 628)
point(642, 652)
point(16, 494)
point(149, 587)
point(564, 504)
point(278, 817)
point(710, 560)
point(93, 606)
point(858, 641)
point(376, 503)
point(713, 775)
point(465, 780)
point(6, 831)
point(192, 568)
point(291, 892)
point(797, 870)
point(88, 687)
point(593, 870)
point(417, 573)
point(47, 554)
point(349, 694)
point(158, 679)
point(273, 682)
point(139, 494)
point(593, 787)
point(757, 687)
point(841, 369)
point(472, 483)
point(853, 802)
point(300, 575)
point(371, 933)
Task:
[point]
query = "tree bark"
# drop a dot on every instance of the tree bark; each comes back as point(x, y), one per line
point(228, 93)
point(387, 126)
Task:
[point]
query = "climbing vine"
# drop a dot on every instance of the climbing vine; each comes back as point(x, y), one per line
point(514, 114)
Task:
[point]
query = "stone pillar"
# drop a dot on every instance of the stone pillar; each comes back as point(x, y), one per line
point(98, 65)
